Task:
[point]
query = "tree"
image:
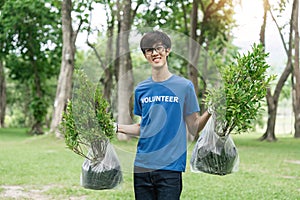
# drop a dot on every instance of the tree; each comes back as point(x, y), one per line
point(216, 23)
point(2, 81)
point(124, 64)
point(29, 38)
point(64, 85)
point(270, 135)
point(2, 94)
point(125, 77)
point(296, 69)
point(106, 61)
point(272, 99)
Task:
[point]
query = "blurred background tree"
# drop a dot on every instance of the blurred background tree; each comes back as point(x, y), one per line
point(37, 62)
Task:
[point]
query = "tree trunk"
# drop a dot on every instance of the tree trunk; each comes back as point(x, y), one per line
point(269, 135)
point(272, 100)
point(193, 54)
point(109, 66)
point(107, 77)
point(194, 48)
point(296, 71)
point(204, 79)
point(196, 42)
point(125, 78)
point(109, 70)
point(263, 26)
point(272, 103)
point(2, 95)
point(37, 128)
point(64, 85)
point(106, 64)
point(38, 116)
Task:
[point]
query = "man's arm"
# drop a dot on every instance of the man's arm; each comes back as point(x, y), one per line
point(132, 129)
point(196, 123)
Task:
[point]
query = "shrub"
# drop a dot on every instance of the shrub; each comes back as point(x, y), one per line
point(238, 101)
point(88, 127)
point(86, 119)
point(235, 106)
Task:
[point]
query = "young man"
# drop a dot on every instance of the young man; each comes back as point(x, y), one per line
point(166, 104)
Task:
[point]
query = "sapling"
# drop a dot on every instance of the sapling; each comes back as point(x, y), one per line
point(237, 103)
point(88, 128)
point(234, 105)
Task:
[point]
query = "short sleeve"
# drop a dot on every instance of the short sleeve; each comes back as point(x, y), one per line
point(137, 105)
point(191, 104)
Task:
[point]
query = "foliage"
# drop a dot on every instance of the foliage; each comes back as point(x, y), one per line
point(31, 38)
point(86, 120)
point(215, 19)
point(217, 22)
point(164, 14)
point(238, 101)
point(39, 108)
point(30, 28)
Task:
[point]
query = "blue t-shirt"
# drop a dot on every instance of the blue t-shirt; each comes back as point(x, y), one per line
point(162, 107)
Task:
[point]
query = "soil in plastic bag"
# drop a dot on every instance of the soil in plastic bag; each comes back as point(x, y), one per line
point(102, 174)
point(214, 154)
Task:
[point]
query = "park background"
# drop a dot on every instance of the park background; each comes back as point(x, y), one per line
point(35, 163)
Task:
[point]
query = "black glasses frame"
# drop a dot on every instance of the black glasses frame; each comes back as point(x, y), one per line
point(158, 49)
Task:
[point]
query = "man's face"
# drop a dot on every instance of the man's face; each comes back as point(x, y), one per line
point(157, 55)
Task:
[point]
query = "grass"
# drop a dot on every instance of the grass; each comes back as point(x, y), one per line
point(40, 167)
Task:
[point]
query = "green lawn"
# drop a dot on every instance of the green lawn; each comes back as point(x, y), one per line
point(40, 167)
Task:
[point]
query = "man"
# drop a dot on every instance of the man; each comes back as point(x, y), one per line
point(166, 104)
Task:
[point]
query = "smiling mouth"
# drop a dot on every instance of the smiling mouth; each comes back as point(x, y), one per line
point(157, 59)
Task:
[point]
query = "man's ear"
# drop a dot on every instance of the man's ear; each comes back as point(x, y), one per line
point(168, 51)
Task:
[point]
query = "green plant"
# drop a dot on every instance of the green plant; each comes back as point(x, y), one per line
point(238, 101)
point(86, 123)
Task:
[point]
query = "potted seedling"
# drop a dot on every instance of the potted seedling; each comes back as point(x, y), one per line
point(88, 128)
point(235, 105)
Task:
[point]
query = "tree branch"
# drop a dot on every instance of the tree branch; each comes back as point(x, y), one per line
point(96, 53)
point(135, 10)
point(75, 33)
point(277, 25)
point(91, 45)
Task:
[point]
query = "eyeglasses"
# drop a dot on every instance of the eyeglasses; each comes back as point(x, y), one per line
point(158, 49)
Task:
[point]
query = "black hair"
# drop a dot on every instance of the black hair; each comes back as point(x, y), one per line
point(154, 37)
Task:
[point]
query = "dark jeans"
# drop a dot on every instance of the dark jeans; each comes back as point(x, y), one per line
point(157, 185)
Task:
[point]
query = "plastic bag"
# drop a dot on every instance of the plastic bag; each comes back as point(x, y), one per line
point(104, 172)
point(214, 154)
